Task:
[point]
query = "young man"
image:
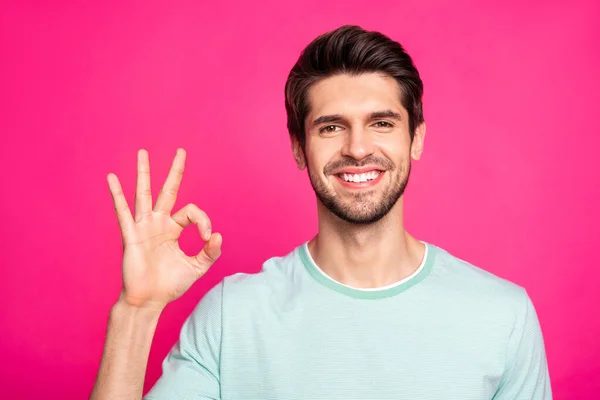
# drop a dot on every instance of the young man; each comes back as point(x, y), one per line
point(363, 310)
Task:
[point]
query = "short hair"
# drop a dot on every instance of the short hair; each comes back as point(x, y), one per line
point(352, 50)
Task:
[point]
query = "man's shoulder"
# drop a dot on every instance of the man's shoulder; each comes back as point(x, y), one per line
point(275, 275)
point(462, 276)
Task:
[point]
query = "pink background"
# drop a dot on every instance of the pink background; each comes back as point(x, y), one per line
point(508, 181)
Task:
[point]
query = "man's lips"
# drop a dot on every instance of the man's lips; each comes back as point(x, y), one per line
point(358, 170)
point(355, 178)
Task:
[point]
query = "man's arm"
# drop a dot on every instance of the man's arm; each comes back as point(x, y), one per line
point(128, 340)
point(155, 272)
point(526, 376)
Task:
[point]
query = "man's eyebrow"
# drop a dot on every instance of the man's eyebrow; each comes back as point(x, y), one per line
point(324, 119)
point(386, 114)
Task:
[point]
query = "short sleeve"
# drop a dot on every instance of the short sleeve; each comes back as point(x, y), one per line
point(191, 369)
point(526, 376)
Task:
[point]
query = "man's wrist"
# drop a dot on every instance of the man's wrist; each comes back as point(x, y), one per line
point(146, 314)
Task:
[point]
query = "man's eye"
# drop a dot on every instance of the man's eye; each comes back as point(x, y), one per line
point(329, 129)
point(383, 124)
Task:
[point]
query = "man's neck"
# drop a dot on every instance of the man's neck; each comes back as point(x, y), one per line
point(366, 256)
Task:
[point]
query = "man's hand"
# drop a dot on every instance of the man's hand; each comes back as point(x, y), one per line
point(155, 270)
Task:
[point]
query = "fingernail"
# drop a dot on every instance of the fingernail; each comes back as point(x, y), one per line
point(208, 233)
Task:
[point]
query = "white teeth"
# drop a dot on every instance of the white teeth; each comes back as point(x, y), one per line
point(361, 177)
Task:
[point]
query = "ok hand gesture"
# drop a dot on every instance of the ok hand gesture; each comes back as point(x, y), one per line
point(155, 270)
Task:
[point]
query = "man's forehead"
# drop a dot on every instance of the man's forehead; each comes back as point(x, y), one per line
point(364, 93)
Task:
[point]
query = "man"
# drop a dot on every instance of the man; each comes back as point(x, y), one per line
point(361, 311)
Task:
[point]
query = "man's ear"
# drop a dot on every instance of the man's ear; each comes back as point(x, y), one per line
point(416, 148)
point(299, 155)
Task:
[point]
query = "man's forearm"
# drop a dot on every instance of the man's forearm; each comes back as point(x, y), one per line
point(128, 341)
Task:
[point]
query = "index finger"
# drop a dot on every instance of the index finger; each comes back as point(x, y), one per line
point(168, 194)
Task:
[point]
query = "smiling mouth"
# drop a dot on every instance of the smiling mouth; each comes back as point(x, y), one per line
point(360, 178)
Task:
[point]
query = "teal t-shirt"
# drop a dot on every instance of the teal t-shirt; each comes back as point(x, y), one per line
point(448, 331)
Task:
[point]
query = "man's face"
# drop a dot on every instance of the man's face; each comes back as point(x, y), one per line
point(358, 146)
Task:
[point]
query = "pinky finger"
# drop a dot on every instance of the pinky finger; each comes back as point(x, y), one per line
point(120, 203)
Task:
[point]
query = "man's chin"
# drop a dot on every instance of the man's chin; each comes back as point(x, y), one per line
point(354, 214)
point(360, 218)
point(351, 198)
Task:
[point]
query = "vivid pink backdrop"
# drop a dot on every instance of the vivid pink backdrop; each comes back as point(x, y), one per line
point(509, 178)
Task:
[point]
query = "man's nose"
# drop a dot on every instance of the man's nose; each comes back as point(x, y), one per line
point(358, 144)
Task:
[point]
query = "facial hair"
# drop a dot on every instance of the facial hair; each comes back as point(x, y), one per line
point(362, 209)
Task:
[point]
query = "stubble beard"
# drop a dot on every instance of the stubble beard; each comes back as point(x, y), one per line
point(362, 208)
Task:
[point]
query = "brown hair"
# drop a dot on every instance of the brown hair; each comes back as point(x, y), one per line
point(351, 50)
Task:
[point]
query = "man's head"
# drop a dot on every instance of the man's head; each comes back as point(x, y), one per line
point(355, 117)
